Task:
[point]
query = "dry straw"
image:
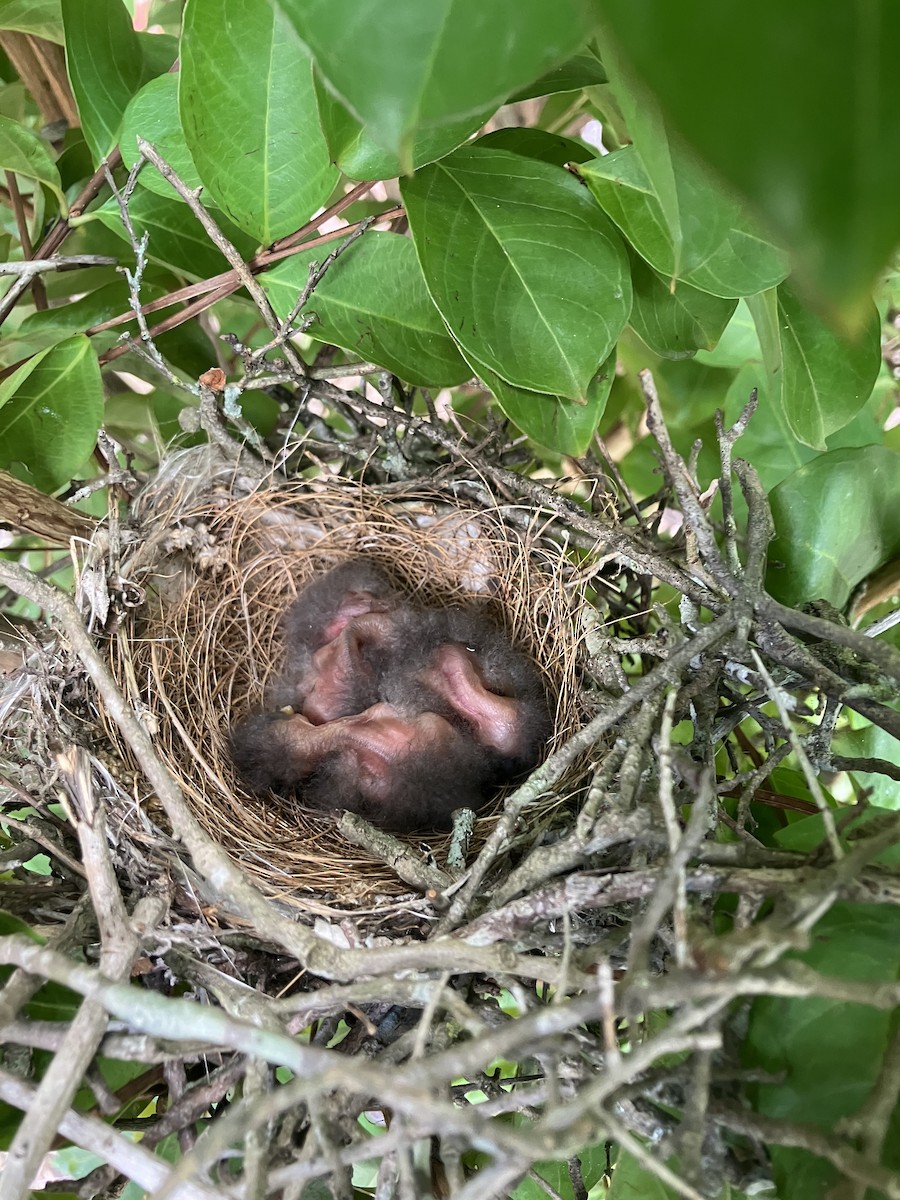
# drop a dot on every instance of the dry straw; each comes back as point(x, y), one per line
point(219, 568)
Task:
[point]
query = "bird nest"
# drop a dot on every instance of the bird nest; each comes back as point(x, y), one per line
point(219, 565)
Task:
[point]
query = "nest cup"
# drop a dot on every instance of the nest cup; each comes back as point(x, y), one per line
point(219, 574)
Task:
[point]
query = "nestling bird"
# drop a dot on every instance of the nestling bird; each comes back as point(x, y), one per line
point(395, 711)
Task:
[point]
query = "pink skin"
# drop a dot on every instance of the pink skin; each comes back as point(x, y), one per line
point(494, 719)
point(339, 664)
point(375, 740)
point(353, 604)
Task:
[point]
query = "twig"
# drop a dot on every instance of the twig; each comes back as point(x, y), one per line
point(119, 944)
point(776, 1131)
point(226, 248)
point(63, 226)
point(401, 859)
point(727, 439)
point(146, 1169)
point(809, 774)
point(545, 776)
point(682, 484)
point(73, 262)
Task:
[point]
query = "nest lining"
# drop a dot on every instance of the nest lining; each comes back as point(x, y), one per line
point(223, 571)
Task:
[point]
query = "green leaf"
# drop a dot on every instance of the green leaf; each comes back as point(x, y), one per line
point(675, 323)
point(176, 237)
point(75, 163)
point(808, 833)
point(812, 146)
point(836, 521)
point(439, 62)
point(826, 1054)
point(869, 741)
point(552, 421)
point(537, 143)
point(106, 68)
point(248, 110)
point(57, 324)
point(764, 309)
point(530, 277)
point(738, 344)
point(153, 115)
point(187, 348)
point(647, 130)
point(768, 442)
point(158, 51)
point(584, 70)
point(11, 924)
point(826, 380)
point(53, 1002)
point(631, 1180)
point(818, 380)
point(42, 18)
point(74, 1163)
point(721, 251)
point(50, 411)
point(372, 301)
point(360, 157)
point(27, 154)
point(13, 96)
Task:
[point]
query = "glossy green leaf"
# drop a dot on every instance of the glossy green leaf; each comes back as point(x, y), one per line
point(159, 51)
point(825, 379)
point(50, 411)
point(646, 130)
point(373, 303)
point(764, 310)
point(869, 741)
point(584, 70)
point(42, 18)
point(769, 443)
point(13, 98)
point(537, 143)
point(818, 379)
point(359, 156)
point(11, 924)
point(188, 349)
point(825, 1054)
point(249, 115)
point(53, 1002)
point(27, 154)
point(530, 277)
point(811, 142)
point(402, 66)
point(176, 238)
point(74, 163)
point(52, 325)
point(631, 1180)
point(675, 323)
point(836, 521)
point(552, 421)
point(153, 115)
point(721, 251)
point(106, 68)
point(738, 344)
